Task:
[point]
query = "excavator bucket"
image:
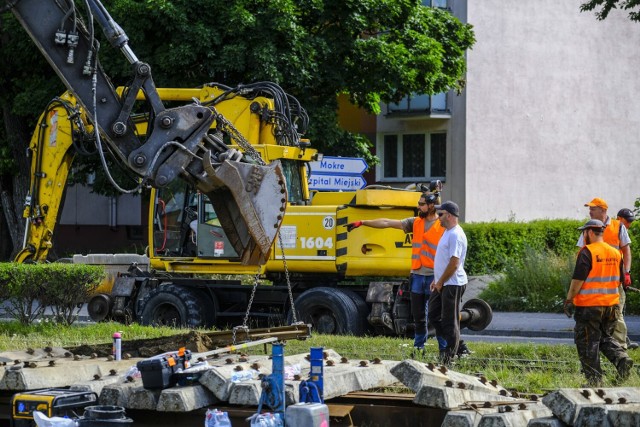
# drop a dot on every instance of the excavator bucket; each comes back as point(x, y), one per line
point(250, 201)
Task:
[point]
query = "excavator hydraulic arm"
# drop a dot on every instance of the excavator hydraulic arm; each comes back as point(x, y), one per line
point(180, 142)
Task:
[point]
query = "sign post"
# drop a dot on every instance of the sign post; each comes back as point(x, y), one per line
point(338, 174)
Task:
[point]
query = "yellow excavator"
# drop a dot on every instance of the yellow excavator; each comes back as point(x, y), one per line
point(241, 207)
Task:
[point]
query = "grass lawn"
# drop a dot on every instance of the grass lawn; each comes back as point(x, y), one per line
point(526, 368)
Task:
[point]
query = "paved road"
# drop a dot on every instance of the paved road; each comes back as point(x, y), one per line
point(537, 327)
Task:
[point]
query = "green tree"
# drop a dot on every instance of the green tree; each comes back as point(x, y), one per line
point(605, 6)
point(371, 50)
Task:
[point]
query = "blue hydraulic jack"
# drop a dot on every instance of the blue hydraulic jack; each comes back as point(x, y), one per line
point(312, 390)
point(273, 392)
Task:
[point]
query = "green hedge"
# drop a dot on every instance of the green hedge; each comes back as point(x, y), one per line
point(510, 247)
point(493, 246)
point(29, 288)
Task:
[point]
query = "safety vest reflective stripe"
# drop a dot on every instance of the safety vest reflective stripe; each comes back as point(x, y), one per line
point(601, 285)
point(603, 279)
point(424, 244)
point(598, 291)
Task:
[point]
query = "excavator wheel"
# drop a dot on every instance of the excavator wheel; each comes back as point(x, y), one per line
point(361, 306)
point(99, 307)
point(330, 311)
point(177, 306)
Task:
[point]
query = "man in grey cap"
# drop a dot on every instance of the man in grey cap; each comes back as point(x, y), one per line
point(593, 300)
point(449, 281)
point(626, 217)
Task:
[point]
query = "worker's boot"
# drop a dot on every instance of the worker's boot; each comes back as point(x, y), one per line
point(631, 345)
point(445, 358)
point(624, 368)
point(418, 353)
point(463, 350)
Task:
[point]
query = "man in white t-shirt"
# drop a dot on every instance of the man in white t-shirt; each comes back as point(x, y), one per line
point(449, 282)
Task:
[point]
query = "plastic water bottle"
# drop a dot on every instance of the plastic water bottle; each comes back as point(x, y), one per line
point(262, 420)
point(243, 375)
point(42, 420)
point(216, 418)
point(117, 346)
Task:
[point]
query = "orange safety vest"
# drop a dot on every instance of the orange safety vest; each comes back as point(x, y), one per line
point(611, 233)
point(600, 289)
point(424, 243)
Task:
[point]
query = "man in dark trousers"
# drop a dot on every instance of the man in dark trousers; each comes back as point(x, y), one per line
point(449, 282)
point(426, 231)
point(593, 300)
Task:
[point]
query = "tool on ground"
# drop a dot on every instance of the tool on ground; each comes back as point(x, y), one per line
point(312, 389)
point(273, 394)
point(52, 402)
point(159, 372)
point(230, 348)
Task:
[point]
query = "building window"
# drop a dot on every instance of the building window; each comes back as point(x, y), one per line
point(416, 103)
point(413, 156)
point(442, 4)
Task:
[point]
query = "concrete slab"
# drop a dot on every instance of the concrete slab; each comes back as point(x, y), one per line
point(34, 354)
point(566, 404)
point(245, 393)
point(624, 415)
point(141, 398)
point(96, 386)
point(546, 422)
point(415, 374)
point(118, 394)
point(514, 416)
point(344, 378)
point(461, 419)
point(185, 399)
point(218, 378)
point(454, 398)
point(65, 372)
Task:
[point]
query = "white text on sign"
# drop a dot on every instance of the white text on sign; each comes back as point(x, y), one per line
point(336, 183)
point(339, 165)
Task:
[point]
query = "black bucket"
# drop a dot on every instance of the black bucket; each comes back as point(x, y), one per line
point(104, 416)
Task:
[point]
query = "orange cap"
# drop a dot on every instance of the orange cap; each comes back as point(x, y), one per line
point(598, 202)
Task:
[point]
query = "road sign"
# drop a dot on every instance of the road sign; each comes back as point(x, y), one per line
point(325, 182)
point(339, 166)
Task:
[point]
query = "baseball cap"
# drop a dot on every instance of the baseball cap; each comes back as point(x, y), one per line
point(592, 223)
point(626, 214)
point(450, 207)
point(598, 202)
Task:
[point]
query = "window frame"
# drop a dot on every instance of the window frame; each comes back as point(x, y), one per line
point(380, 150)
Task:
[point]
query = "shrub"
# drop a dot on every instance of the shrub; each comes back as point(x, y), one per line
point(536, 283)
point(30, 288)
point(494, 246)
point(22, 285)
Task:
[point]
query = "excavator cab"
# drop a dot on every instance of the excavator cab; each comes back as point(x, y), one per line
point(185, 224)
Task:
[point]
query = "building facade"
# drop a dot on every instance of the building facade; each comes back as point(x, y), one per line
point(549, 118)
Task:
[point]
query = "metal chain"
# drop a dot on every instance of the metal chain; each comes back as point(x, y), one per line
point(286, 275)
point(256, 282)
point(235, 134)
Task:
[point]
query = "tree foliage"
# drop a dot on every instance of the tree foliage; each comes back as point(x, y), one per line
point(603, 7)
point(371, 50)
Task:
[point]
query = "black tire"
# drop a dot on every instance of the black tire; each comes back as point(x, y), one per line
point(362, 307)
point(172, 305)
point(330, 311)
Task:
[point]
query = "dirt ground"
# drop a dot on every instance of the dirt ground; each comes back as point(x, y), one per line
point(194, 341)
